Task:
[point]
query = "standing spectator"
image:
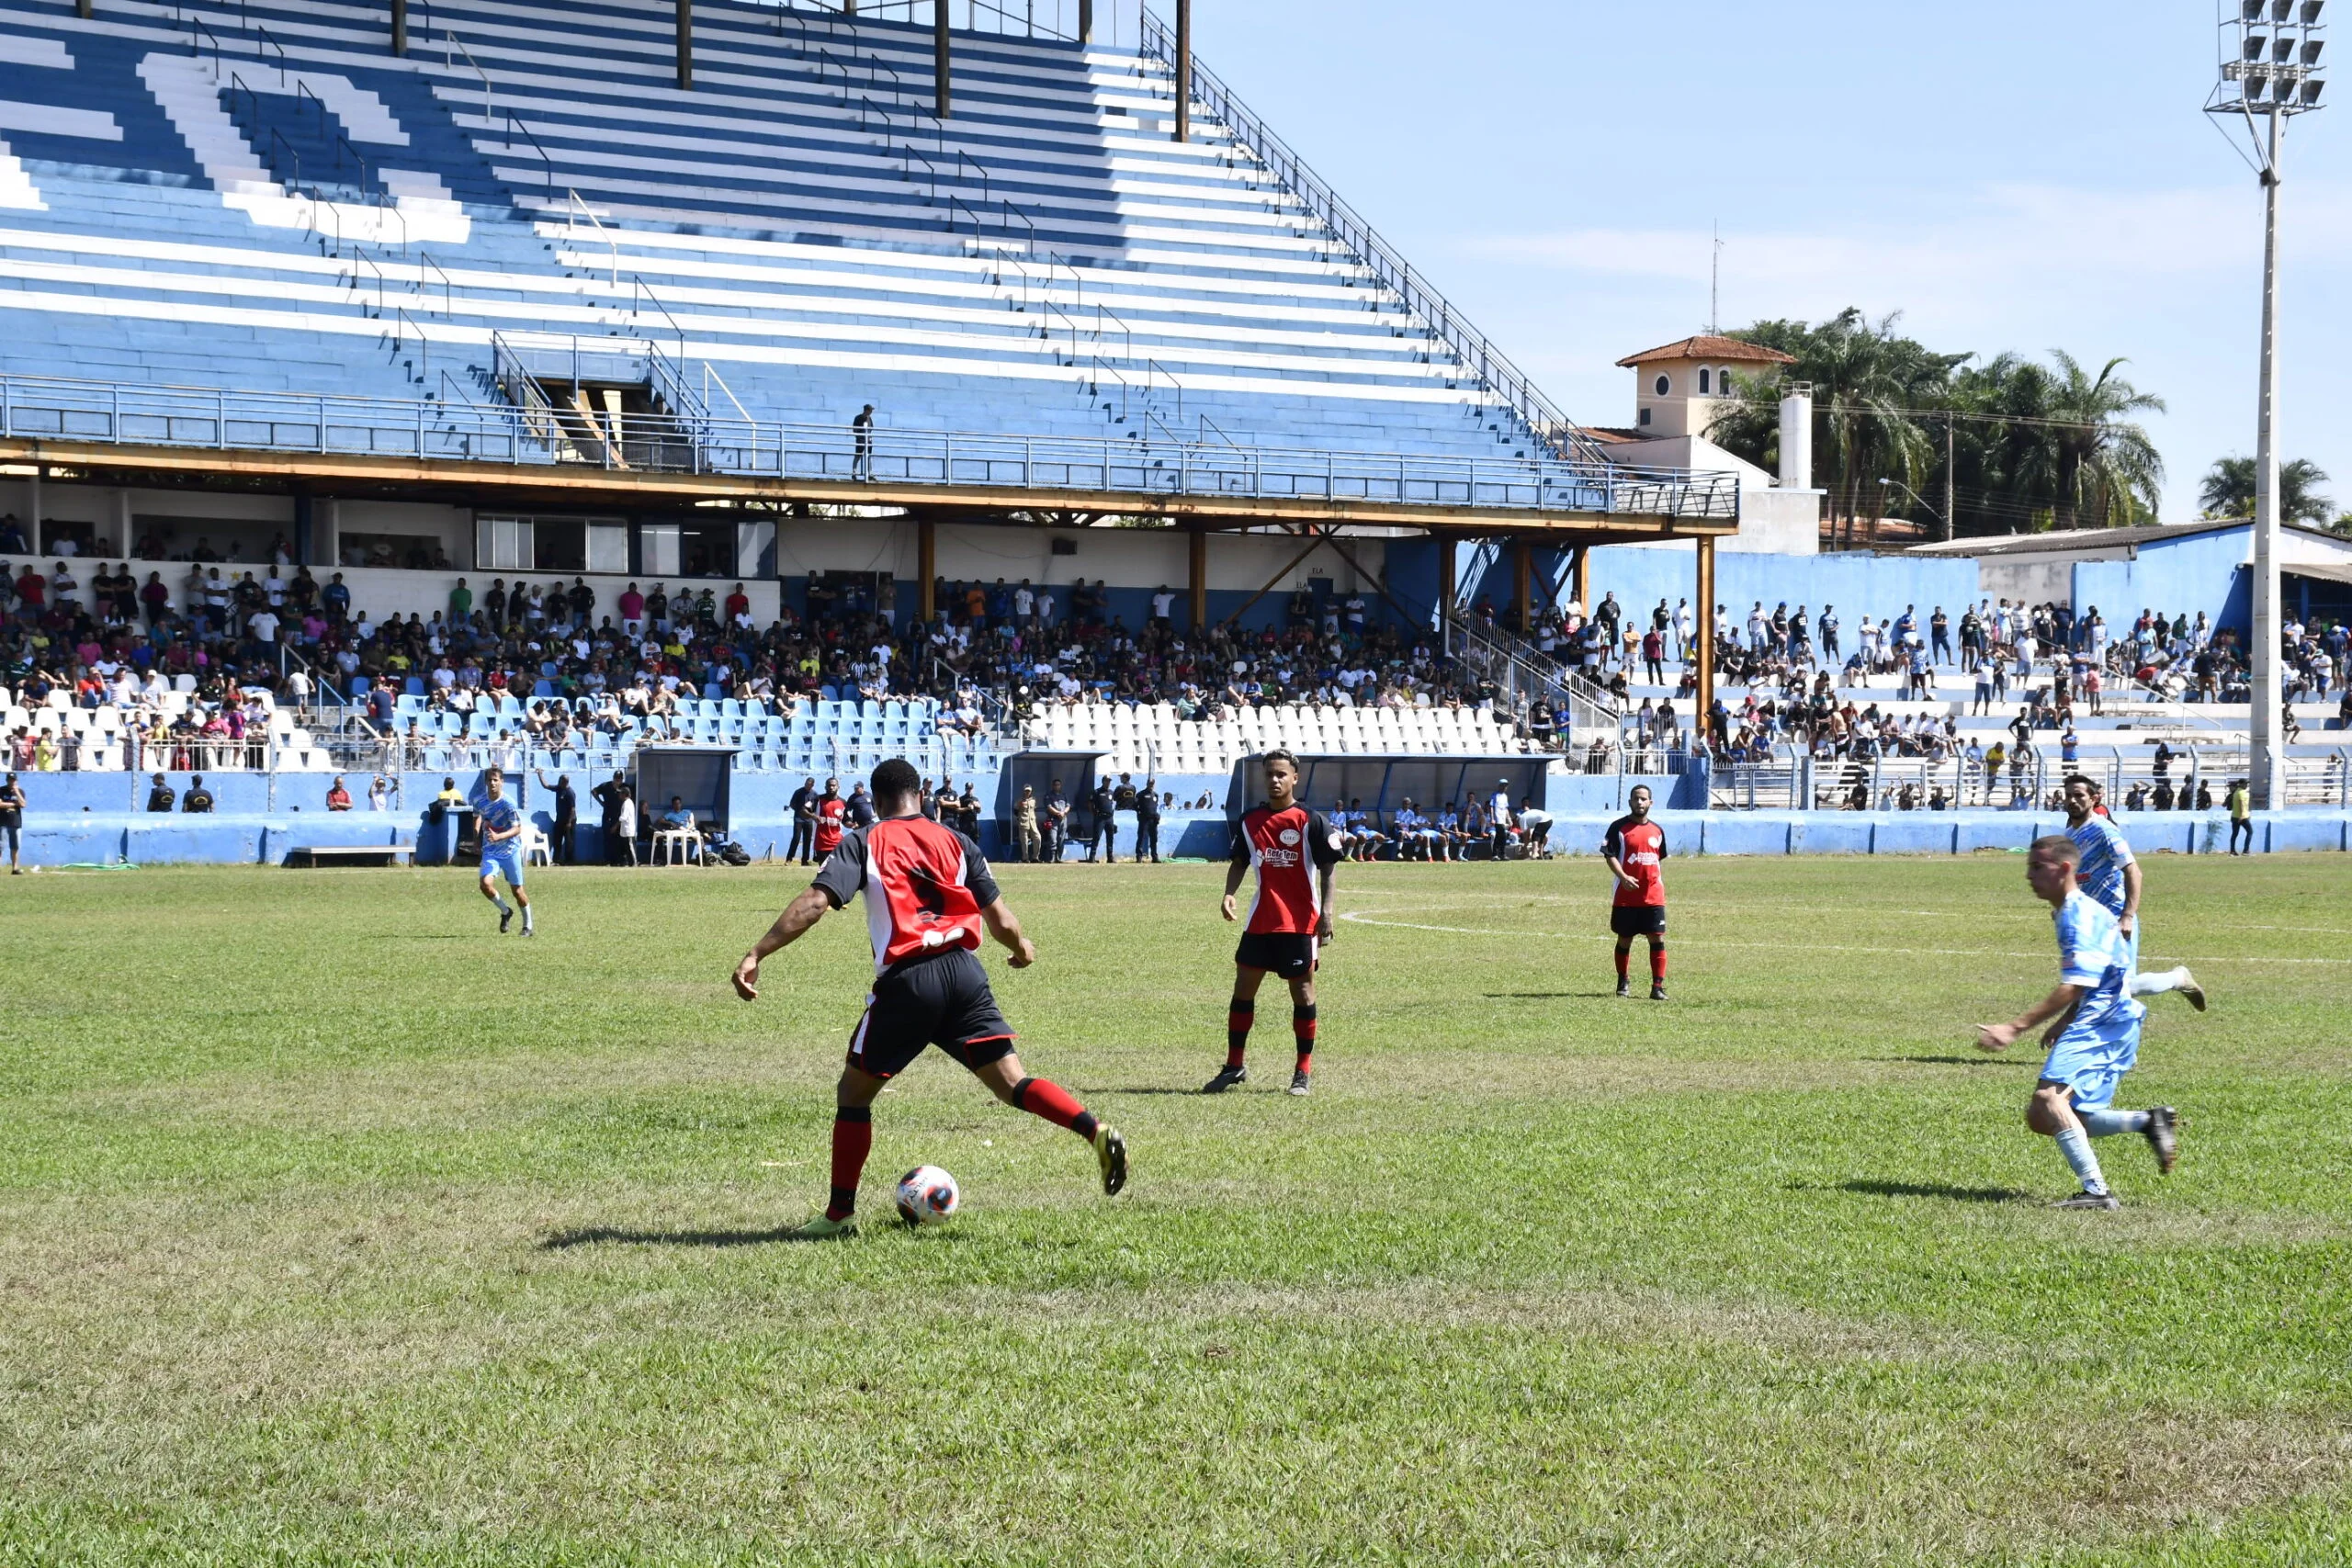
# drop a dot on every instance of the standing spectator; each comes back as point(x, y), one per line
point(861, 808)
point(1939, 633)
point(379, 794)
point(1024, 825)
point(567, 818)
point(461, 604)
point(197, 798)
point(804, 823)
point(338, 797)
point(1106, 821)
point(12, 820)
point(1057, 821)
point(2241, 804)
point(861, 466)
point(613, 798)
point(1499, 820)
point(158, 795)
point(1148, 819)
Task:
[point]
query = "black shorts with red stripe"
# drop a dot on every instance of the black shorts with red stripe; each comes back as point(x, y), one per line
point(943, 1001)
point(1289, 956)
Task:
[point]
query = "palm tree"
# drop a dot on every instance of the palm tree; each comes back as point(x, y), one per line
point(2107, 471)
point(1867, 384)
point(2228, 490)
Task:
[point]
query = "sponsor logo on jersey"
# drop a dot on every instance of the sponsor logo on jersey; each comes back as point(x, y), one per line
point(1288, 836)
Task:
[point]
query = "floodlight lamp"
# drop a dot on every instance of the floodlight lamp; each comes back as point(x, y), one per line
point(2310, 92)
point(2312, 10)
point(2281, 9)
point(2311, 46)
point(2284, 90)
point(2255, 43)
point(2253, 10)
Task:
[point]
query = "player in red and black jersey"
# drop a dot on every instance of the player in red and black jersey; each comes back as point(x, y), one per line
point(1293, 850)
point(1636, 849)
point(928, 896)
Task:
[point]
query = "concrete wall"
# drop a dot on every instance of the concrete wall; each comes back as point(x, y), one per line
point(2203, 571)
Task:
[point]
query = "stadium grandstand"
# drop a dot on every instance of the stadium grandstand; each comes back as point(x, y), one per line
point(401, 389)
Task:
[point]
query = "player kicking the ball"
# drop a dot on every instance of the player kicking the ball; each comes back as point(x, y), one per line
point(502, 850)
point(1293, 850)
point(2093, 1033)
point(928, 897)
point(2111, 876)
point(1635, 850)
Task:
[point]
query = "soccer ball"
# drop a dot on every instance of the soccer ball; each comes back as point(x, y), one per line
point(927, 1196)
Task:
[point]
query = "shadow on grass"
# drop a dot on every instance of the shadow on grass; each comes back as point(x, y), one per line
point(1979, 1060)
point(1873, 1189)
point(597, 1234)
point(1157, 1088)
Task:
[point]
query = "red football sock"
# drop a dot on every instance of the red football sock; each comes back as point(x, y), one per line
point(1238, 1016)
point(1657, 964)
point(1044, 1097)
point(1302, 1029)
point(852, 1141)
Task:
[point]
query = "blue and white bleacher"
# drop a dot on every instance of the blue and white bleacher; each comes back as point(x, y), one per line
point(259, 196)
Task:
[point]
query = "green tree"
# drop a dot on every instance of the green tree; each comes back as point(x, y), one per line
point(1867, 383)
point(2228, 491)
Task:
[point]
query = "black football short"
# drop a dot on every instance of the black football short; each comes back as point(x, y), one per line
point(1289, 955)
point(942, 1001)
point(1637, 919)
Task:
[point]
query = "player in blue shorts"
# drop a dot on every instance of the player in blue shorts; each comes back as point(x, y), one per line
point(2110, 875)
point(2093, 1033)
point(500, 821)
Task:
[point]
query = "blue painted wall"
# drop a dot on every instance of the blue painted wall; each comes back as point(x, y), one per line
point(2205, 571)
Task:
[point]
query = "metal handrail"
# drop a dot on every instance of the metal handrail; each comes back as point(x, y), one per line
point(573, 200)
point(547, 164)
point(65, 409)
point(449, 40)
point(1551, 427)
point(449, 288)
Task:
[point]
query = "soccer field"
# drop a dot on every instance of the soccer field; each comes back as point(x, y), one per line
point(335, 1228)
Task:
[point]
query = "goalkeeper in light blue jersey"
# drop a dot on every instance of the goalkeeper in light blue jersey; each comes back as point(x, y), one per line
point(2093, 1031)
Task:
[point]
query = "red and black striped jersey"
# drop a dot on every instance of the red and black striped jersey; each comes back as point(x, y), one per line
point(924, 885)
point(1287, 848)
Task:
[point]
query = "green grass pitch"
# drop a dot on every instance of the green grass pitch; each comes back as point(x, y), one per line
point(335, 1228)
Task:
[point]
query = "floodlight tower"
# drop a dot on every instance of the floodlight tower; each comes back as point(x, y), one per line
point(2271, 73)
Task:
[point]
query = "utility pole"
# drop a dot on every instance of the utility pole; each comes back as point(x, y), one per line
point(1945, 529)
point(2270, 71)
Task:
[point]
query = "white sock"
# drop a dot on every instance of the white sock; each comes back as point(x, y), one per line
point(2077, 1146)
point(503, 910)
point(2145, 985)
point(527, 917)
point(2105, 1122)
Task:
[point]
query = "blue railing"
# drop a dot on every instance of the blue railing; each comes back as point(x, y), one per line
point(1479, 356)
point(43, 407)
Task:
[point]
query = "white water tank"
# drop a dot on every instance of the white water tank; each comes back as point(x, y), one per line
point(1796, 438)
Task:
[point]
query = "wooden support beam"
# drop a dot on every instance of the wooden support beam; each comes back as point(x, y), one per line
point(685, 46)
point(1183, 70)
point(1319, 538)
point(1706, 697)
point(1086, 21)
point(400, 25)
point(1523, 584)
point(1580, 578)
point(1200, 595)
point(1446, 589)
point(941, 96)
point(927, 567)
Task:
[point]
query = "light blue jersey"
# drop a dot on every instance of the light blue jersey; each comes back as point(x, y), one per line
point(2105, 857)
point(505, 858)
point(2101, 1042)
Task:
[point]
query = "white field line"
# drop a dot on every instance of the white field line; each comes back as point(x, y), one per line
point(1356, 917)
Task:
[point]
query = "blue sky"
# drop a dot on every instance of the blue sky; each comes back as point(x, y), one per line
point(2007, 175)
